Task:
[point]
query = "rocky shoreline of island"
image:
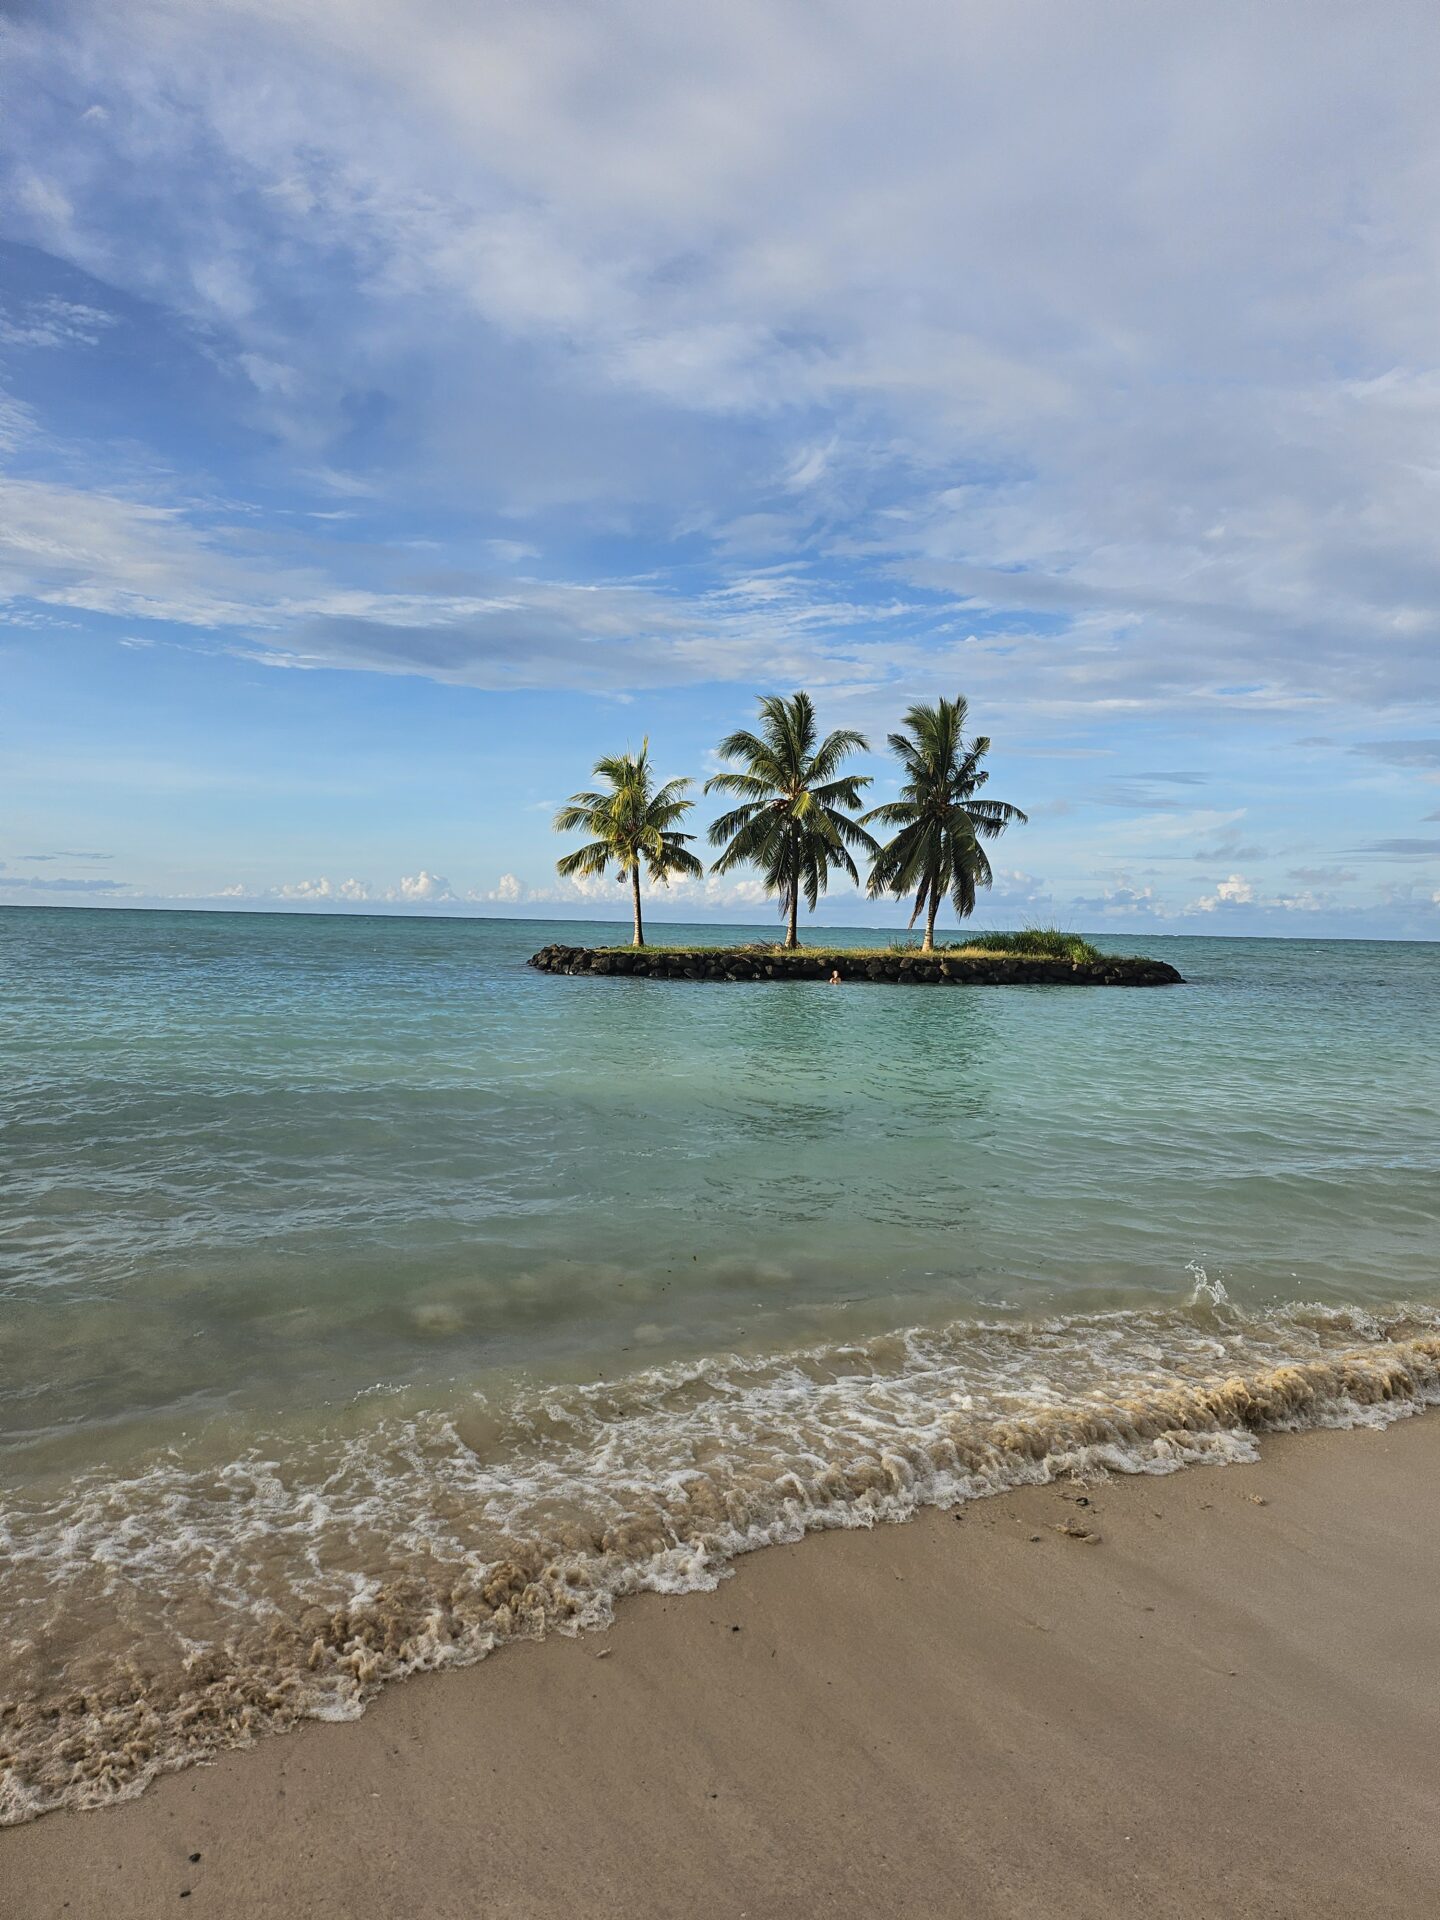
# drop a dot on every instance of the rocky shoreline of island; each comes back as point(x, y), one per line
point(855, 967)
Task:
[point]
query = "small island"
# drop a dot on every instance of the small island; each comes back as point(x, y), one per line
point(1075, 964)
point(797, 820)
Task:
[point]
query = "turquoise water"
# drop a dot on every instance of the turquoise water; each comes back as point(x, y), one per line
point(340, 1253)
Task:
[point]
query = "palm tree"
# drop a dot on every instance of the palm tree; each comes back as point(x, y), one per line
point(794, 822)
point(633, 824)
point(939, 823)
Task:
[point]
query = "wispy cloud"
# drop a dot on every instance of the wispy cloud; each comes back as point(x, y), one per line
point(47, 883)
point(643, 303)
point(52, 322)
point(1401, 753)
point(62, 855)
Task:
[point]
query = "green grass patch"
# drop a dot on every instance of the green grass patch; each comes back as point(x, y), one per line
point(1031, 943)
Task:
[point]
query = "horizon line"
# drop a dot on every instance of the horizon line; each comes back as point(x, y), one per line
point(621, 920)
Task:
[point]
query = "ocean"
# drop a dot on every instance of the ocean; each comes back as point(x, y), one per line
point(368, 1299)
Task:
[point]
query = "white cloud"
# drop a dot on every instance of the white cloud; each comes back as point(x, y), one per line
point(914, 275)
point(1013, 887)
point(727, 892)
point(17, 423)
point(54, 323)
point(76, 547)
point(429, 888)
point(324, 890)
point(43, 202)
point(1234, 892)
point(138, 559)
point(269, 376)
point(1121, 901)
point(134, 559)
point(420, 889)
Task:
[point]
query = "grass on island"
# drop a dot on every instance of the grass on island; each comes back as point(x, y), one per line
point(1031, 943)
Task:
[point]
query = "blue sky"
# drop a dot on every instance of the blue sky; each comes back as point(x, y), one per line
point(402, 405)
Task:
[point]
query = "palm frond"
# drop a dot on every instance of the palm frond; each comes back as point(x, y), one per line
point(593, 859)
point(753, 786)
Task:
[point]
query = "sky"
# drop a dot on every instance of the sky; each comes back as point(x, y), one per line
point(403, 404)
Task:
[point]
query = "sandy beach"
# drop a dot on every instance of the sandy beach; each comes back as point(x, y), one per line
point(1223, 1701)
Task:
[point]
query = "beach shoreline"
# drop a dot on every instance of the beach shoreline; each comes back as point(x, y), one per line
point(1222, 1700)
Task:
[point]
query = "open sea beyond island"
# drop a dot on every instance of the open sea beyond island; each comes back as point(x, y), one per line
point(371, 1299)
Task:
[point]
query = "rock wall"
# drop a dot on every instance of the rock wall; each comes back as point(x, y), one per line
point(891, 969)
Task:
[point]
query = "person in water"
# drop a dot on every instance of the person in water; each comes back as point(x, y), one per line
point(835, 980)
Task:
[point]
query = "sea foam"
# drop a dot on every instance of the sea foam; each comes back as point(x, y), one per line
point(201, 1602)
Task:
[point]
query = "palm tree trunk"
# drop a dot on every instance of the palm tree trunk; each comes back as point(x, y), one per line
point(931, 908)
point(639, 939)
point(792, 932)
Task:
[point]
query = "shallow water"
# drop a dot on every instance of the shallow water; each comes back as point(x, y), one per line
point(367, 1298)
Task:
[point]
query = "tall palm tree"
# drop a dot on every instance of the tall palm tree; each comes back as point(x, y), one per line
point(938, 821)
point(794, 822)
point(634, 824)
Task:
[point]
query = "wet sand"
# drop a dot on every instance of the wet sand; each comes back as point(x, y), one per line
point(1226, 1705)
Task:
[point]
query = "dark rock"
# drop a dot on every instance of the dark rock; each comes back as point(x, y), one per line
point(909, 969)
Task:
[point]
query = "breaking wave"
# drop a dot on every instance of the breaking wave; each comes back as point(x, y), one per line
point(205, 1600)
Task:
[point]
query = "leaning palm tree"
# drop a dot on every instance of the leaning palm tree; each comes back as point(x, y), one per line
point(938, 821)
point(634, 824)
point(794, 822)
